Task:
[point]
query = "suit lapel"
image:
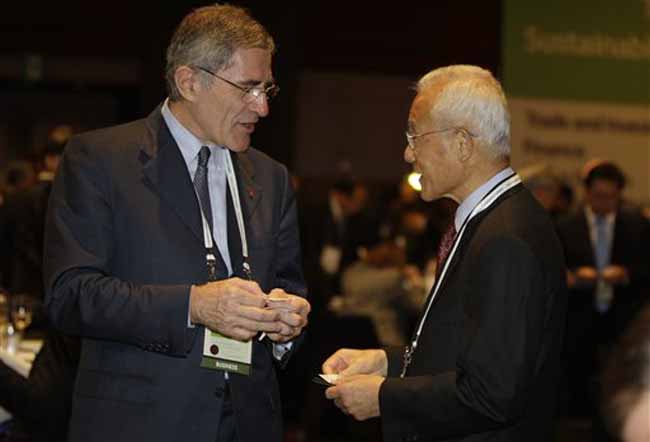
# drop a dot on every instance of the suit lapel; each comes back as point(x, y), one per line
point(465, 240)
point(166, 173)
point(618, 238)
point(584, 236)
point(250, 194)
point(452, 265)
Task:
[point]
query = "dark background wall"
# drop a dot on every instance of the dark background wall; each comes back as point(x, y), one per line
point(94, 64)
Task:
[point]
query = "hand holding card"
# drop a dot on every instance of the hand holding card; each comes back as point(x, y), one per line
point(326, 379)
point(279, 300)
point(292, 311)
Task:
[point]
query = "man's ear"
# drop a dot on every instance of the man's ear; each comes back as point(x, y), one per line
point(188, 82)
point(466, 145)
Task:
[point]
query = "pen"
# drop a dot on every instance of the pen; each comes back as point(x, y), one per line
point(249, 275)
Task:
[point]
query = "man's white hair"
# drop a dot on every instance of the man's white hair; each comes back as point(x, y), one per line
point(470, 97)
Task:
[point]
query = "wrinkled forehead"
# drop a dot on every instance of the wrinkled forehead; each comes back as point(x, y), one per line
point(420, 113)
point(251, 65)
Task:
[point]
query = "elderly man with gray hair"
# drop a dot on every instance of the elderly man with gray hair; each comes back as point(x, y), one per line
point(484, 359)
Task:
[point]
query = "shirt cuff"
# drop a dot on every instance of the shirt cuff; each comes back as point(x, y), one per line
point(189, 322)
point(280, 349)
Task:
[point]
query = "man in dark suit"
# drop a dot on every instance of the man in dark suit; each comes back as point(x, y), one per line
point(169, 233)
point(606, 247)
point(484, 360)
point(40, 404)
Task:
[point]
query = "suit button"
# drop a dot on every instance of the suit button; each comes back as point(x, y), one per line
point(219, 392)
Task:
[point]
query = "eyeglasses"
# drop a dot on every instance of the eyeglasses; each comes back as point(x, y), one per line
point(251, 93)
point(410, 138)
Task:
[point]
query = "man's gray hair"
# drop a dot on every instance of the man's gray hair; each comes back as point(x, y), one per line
point(470, 97)
point(209, 36)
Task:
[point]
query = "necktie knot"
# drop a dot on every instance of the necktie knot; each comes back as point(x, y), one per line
point(204, 156)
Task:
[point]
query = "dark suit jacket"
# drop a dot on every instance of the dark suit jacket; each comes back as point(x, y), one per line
point(630, 249)
point(40, 405)
point(124, 243)
point(487, 362)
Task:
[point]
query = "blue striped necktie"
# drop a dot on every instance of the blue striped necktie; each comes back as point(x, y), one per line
point(602, 243)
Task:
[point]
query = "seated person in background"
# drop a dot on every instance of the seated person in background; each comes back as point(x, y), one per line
point(381, 286)
point(27, 215)
point(40, 405)
point(626, 383)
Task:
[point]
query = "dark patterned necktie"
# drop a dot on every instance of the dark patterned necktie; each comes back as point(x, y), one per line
point(201, 184)
point(444, 247)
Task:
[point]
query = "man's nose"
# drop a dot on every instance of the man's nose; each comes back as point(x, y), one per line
point(260, 105)
point(409, 156)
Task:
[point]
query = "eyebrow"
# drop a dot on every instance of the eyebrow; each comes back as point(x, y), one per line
point(410, 125)
point(256, 82)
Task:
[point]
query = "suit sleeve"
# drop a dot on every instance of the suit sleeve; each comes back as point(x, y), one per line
point(493, 374)
point(639, 270)
point(288, 271)
point(82, 296)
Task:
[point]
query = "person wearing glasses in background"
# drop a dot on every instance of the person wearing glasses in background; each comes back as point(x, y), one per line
point(484, 360)
point(172, 248)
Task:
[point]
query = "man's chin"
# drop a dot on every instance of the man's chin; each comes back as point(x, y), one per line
point(424, 196)
point(240, 145)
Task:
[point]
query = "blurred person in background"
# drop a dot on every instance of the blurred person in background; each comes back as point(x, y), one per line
point(625, 400)
point(381, 285)
point(553, 194)
point(608, 273)
point(27, 213)
point(545, 188)
point(564, 202)
point(40, 404)
point(19, 175)
point(16, 178)
point(344, 226)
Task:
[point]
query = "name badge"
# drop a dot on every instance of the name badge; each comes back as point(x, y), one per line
point(227, 354)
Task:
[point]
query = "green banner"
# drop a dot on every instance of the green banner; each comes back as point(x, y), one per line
point(577, 50)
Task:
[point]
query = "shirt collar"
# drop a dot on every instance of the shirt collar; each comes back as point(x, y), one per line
point(187, 142)
point(469, 203)
point(591, 216)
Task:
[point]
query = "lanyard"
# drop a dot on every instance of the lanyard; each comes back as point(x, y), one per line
point(487, 200)
point(207, 233)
